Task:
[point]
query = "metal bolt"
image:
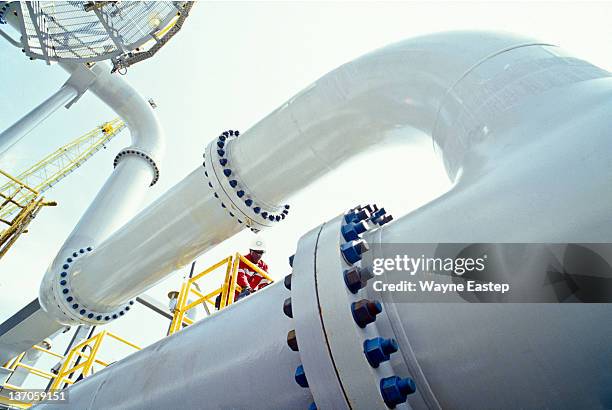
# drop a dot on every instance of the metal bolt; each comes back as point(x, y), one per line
point(379, 349)
point(352, 230)
point(365, 311)
point(227, 172)
point(395, 390)
point(291, 260)
point(312, 406)
point(351, 251)
point(287, 307)
point(300, 376)
point(288, 281)
point(292, 341)
point(356, 278)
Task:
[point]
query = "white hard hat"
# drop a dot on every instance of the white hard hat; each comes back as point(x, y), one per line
point(258, 244)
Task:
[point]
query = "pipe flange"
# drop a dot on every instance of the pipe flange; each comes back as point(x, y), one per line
point(70, 306)
point(138, 153)
point(336, 325)
point(231, 193)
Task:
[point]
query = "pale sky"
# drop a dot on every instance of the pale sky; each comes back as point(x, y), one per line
point(232, 64)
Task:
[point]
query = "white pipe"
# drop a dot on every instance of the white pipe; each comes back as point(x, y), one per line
point(535, 169)
point(382, 97)
point(22, 127)
point(242, 365)
point(119, 199)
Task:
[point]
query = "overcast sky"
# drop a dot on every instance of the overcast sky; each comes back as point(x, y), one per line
point(232, 64)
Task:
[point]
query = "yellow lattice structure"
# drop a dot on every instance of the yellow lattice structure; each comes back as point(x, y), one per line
point(20, 195)
point(25, 203)
point(56, 166)
point(226, 290)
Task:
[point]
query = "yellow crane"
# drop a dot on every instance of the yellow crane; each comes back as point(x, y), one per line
point(20, 195)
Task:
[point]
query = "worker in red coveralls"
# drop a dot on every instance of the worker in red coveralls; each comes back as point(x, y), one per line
point(249, 280)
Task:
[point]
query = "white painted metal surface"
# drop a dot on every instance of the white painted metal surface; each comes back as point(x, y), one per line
point(18, 130)
point(221, 362)
point(383, 97)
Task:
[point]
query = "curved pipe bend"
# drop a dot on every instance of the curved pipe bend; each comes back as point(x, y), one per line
point(430, 85)
point(136, 168)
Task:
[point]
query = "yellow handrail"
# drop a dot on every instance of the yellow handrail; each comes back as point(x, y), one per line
point(85, 368)
point(227, 290)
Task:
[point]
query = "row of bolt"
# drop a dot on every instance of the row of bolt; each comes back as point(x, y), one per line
point(394, 390)
point(3, 11)
point(300, 375)
point(240, 193)
point(63, 281)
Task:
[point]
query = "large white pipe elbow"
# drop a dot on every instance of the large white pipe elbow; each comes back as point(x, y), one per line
point(431, 85)
point(136, 168)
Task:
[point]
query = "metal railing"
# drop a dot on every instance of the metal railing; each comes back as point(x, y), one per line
point(12, 365)
point(226, 291)
point(79, 363)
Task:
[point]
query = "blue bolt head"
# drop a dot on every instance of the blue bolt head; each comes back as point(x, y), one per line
point(82, 311)
point(226, 133)
point(364, 311)
point(82, 250)
point(300, 376)
point(69, 299)
point(379, 349)
point(106, 317)
point(98, 317)
point(63, 274)
point(227, 172)
point(222, 137)
point(351, 231)
point(90, 315)
point(233, 183)
point(264, 214)
point(352, 251)
point(223, 162)
point(395, 390)
point(131, 302)
point(240, 193)
point(220, 152)
point(65, 266)
point(69, 260)
point(220, 144)
point(74, 254)
point(65, 291)
point(89, 249)
point(62, 282)
point(313, 406)
point(256, 209)
point(248, 202)
point(291, 258)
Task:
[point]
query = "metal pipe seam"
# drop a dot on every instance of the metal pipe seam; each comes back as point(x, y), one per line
point(227, 187)
point(70, 306)
point(339, 341)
